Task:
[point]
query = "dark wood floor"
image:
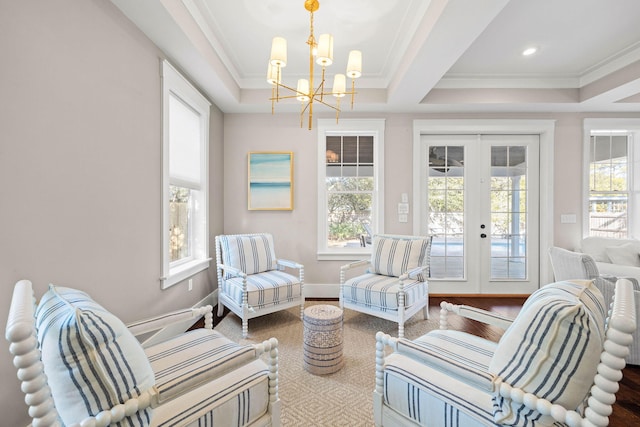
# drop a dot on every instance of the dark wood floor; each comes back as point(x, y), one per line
point(626, 410)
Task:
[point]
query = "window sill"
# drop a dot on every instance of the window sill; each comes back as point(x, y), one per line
point(345, 255)
point(184, 271)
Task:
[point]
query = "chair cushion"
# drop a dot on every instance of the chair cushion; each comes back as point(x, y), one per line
point(91, 359)
point(393, 256)
point(238, 398)
point(187, 360)
point(381, 292)
point(551, 350)
point(251, 253)
point(457, 353)
point(265, 289)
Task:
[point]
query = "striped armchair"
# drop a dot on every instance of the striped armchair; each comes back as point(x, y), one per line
point(392, 284)
point(252, 281)
point(80, 365)
point(558, 363)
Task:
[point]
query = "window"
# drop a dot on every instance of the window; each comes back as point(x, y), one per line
point(349, 186)
point(611, 194)
point(185, 249)
point(608, 185)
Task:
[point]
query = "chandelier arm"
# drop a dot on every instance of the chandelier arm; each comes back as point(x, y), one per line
point(328, 105)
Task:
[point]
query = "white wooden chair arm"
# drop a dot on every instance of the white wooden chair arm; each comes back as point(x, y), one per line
point(119, 412)
point(158, 322)
point(414, 272)
point(227, 269)
point(382, 340)
point(289, 263)
point(354, 264)
point(473, 313)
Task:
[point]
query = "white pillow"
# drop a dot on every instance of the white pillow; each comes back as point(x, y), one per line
point(627, 254)
point(92, 360)
point(551, 350)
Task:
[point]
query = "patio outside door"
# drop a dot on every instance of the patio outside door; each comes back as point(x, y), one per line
point(482, 195)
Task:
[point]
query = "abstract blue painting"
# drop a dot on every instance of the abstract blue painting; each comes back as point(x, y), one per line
point(270, 181)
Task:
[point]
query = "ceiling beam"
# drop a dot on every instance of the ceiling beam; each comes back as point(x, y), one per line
point(446, 32)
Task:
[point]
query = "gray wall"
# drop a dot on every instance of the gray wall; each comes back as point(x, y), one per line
point(80, 168)
point(80, 147)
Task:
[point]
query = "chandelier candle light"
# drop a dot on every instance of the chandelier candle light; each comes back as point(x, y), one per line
point(321, 52)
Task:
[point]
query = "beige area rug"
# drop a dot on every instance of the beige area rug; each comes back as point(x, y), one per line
point(343, 398)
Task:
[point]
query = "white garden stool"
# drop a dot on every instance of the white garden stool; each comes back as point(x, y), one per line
point(323, 339)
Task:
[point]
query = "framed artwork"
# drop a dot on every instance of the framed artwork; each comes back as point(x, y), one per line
point(270, 181)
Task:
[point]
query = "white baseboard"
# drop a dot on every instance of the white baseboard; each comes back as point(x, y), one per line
point(211, 299)
point(321, 290)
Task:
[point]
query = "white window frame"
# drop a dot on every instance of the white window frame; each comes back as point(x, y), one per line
point(349, 127)
point(173, 83)
point(622, 126)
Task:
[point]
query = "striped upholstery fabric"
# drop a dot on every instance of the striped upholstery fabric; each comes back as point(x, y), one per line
point(381, 291)
point(249, 253)
point(189, 359)
point(394, 256)
point(265, 289)
point(431, 397)
point(457, 353)
point(91, 359)
point(552, 349)
point(237, 399)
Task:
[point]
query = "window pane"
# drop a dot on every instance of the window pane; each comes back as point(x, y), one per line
point(347, 213)
point(184, 137)
point(609, 186)
point(179, 223)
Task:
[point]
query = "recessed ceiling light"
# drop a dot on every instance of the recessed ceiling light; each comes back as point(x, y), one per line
point(529, 51)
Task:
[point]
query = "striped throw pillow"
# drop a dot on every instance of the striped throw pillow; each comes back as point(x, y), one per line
point(393, 256)
point(551, 350)
point(249, 253)
point(91, 359)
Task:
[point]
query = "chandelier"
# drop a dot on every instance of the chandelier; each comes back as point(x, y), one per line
point(320, 52)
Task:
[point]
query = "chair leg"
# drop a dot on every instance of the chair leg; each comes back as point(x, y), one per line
point(245, 328)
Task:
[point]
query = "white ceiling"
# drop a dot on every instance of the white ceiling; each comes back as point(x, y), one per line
point(418, 55)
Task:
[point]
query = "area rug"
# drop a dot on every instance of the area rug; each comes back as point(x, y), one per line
point(343, 398)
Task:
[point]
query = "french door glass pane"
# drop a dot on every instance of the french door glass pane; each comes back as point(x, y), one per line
point(508, 212)
point(446, 211)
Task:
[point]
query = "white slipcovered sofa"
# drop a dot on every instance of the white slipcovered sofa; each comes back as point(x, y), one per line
point(614, 257)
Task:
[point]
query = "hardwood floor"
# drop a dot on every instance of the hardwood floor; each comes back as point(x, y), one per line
point(626, 410)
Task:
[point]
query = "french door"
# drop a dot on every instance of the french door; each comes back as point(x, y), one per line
point(482, 197)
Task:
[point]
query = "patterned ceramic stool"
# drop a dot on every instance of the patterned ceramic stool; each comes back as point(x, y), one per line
point(323, 339)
